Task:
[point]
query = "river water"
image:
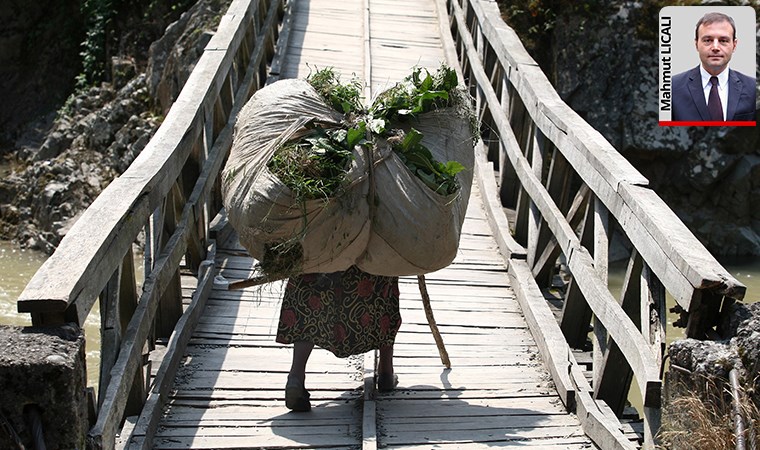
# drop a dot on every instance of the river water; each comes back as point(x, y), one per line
point(17, 267)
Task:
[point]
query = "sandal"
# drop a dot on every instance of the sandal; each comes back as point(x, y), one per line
point(296, 396)
point(386, 382)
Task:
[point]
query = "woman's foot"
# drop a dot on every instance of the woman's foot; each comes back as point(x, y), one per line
point(296, 395)
point(386, 382)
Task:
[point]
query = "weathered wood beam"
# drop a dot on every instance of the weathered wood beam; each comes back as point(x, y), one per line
point(681, 263)
point(170, 306)
point(534, 215)
point(544, 267)
point(557, 185)
point(484, 176)
point(102, 434)
point(543, 326)
point(580, 262)
point(601, 260)
point(282, 43)
point(616, 373)
point(690, 257)
point(509, 185)
point(118, 302)
point(576, 313)
point(600, 426)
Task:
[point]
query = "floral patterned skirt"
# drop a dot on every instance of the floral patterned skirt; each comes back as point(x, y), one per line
point(347, 313)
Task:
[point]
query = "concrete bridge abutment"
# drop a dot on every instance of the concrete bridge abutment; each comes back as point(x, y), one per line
point(43, 387)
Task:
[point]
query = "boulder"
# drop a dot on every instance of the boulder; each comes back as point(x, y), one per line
point(43, 369)
point(704, 366)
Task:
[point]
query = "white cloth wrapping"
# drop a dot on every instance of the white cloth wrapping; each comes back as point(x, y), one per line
point(407, 229)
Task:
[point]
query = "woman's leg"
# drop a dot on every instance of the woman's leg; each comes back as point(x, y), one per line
point(385, 363)
point(386, 379)
point(296, 395)
point(301, 352)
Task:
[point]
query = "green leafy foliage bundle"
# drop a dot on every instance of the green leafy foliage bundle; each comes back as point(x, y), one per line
point(315, 166)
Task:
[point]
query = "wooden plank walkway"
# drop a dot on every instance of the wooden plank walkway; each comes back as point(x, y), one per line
point(229, 391)
point(497, 392)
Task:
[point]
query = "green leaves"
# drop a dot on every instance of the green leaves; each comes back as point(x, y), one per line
point(315, 166)
point(452, 168)
point(416, 94)
point(357, 136)
point(344, 98)
point(412, 141)
point(419, 160)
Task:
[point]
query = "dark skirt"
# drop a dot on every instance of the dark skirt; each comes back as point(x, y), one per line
point(347, 313)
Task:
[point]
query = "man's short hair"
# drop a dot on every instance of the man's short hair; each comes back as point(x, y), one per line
point(713, 17)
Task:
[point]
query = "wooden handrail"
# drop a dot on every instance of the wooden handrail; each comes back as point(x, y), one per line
point(579, 261)
point(537, 144)
point(170, 192)
point(69, 282)
point(675, 255)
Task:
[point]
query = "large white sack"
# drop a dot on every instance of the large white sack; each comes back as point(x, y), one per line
point(414, 230)
point(408, 230)
point(333, 233)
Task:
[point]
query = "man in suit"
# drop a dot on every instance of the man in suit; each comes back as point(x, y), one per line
point(712, 91)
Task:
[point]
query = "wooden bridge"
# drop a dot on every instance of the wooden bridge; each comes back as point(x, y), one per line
point(186, 363)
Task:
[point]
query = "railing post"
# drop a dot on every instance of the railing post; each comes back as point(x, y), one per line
point(558, 186)
point(616, 373)
point(653, 317)
point(118, 302)
point(522, 210)
point(170, 306)
point(534, 216)
point(601, 259)
point(576, 314)
point(704, 313)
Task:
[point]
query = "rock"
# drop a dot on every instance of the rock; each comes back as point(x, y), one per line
point(82, 165)
point(173, 57)
point(39, 60)
point(99, 134)
point(703, 358)
point(703, 366)
point(746, 341)
point(44, 367)
point(55, 143)
point(122, 70)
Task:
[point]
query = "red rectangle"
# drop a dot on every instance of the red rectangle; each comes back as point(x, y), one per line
point(708, 124)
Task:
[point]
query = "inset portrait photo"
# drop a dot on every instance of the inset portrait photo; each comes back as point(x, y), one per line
point(707, 66)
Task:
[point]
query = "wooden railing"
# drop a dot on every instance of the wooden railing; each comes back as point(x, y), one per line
point(568, 192)
point(566, 189)
point(170, 195)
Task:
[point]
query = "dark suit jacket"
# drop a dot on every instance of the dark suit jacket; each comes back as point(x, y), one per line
point(689, 98)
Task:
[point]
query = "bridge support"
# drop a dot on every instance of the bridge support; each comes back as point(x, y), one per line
point(43, 387)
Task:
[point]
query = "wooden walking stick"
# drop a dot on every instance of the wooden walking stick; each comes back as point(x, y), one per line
point(431, 321)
